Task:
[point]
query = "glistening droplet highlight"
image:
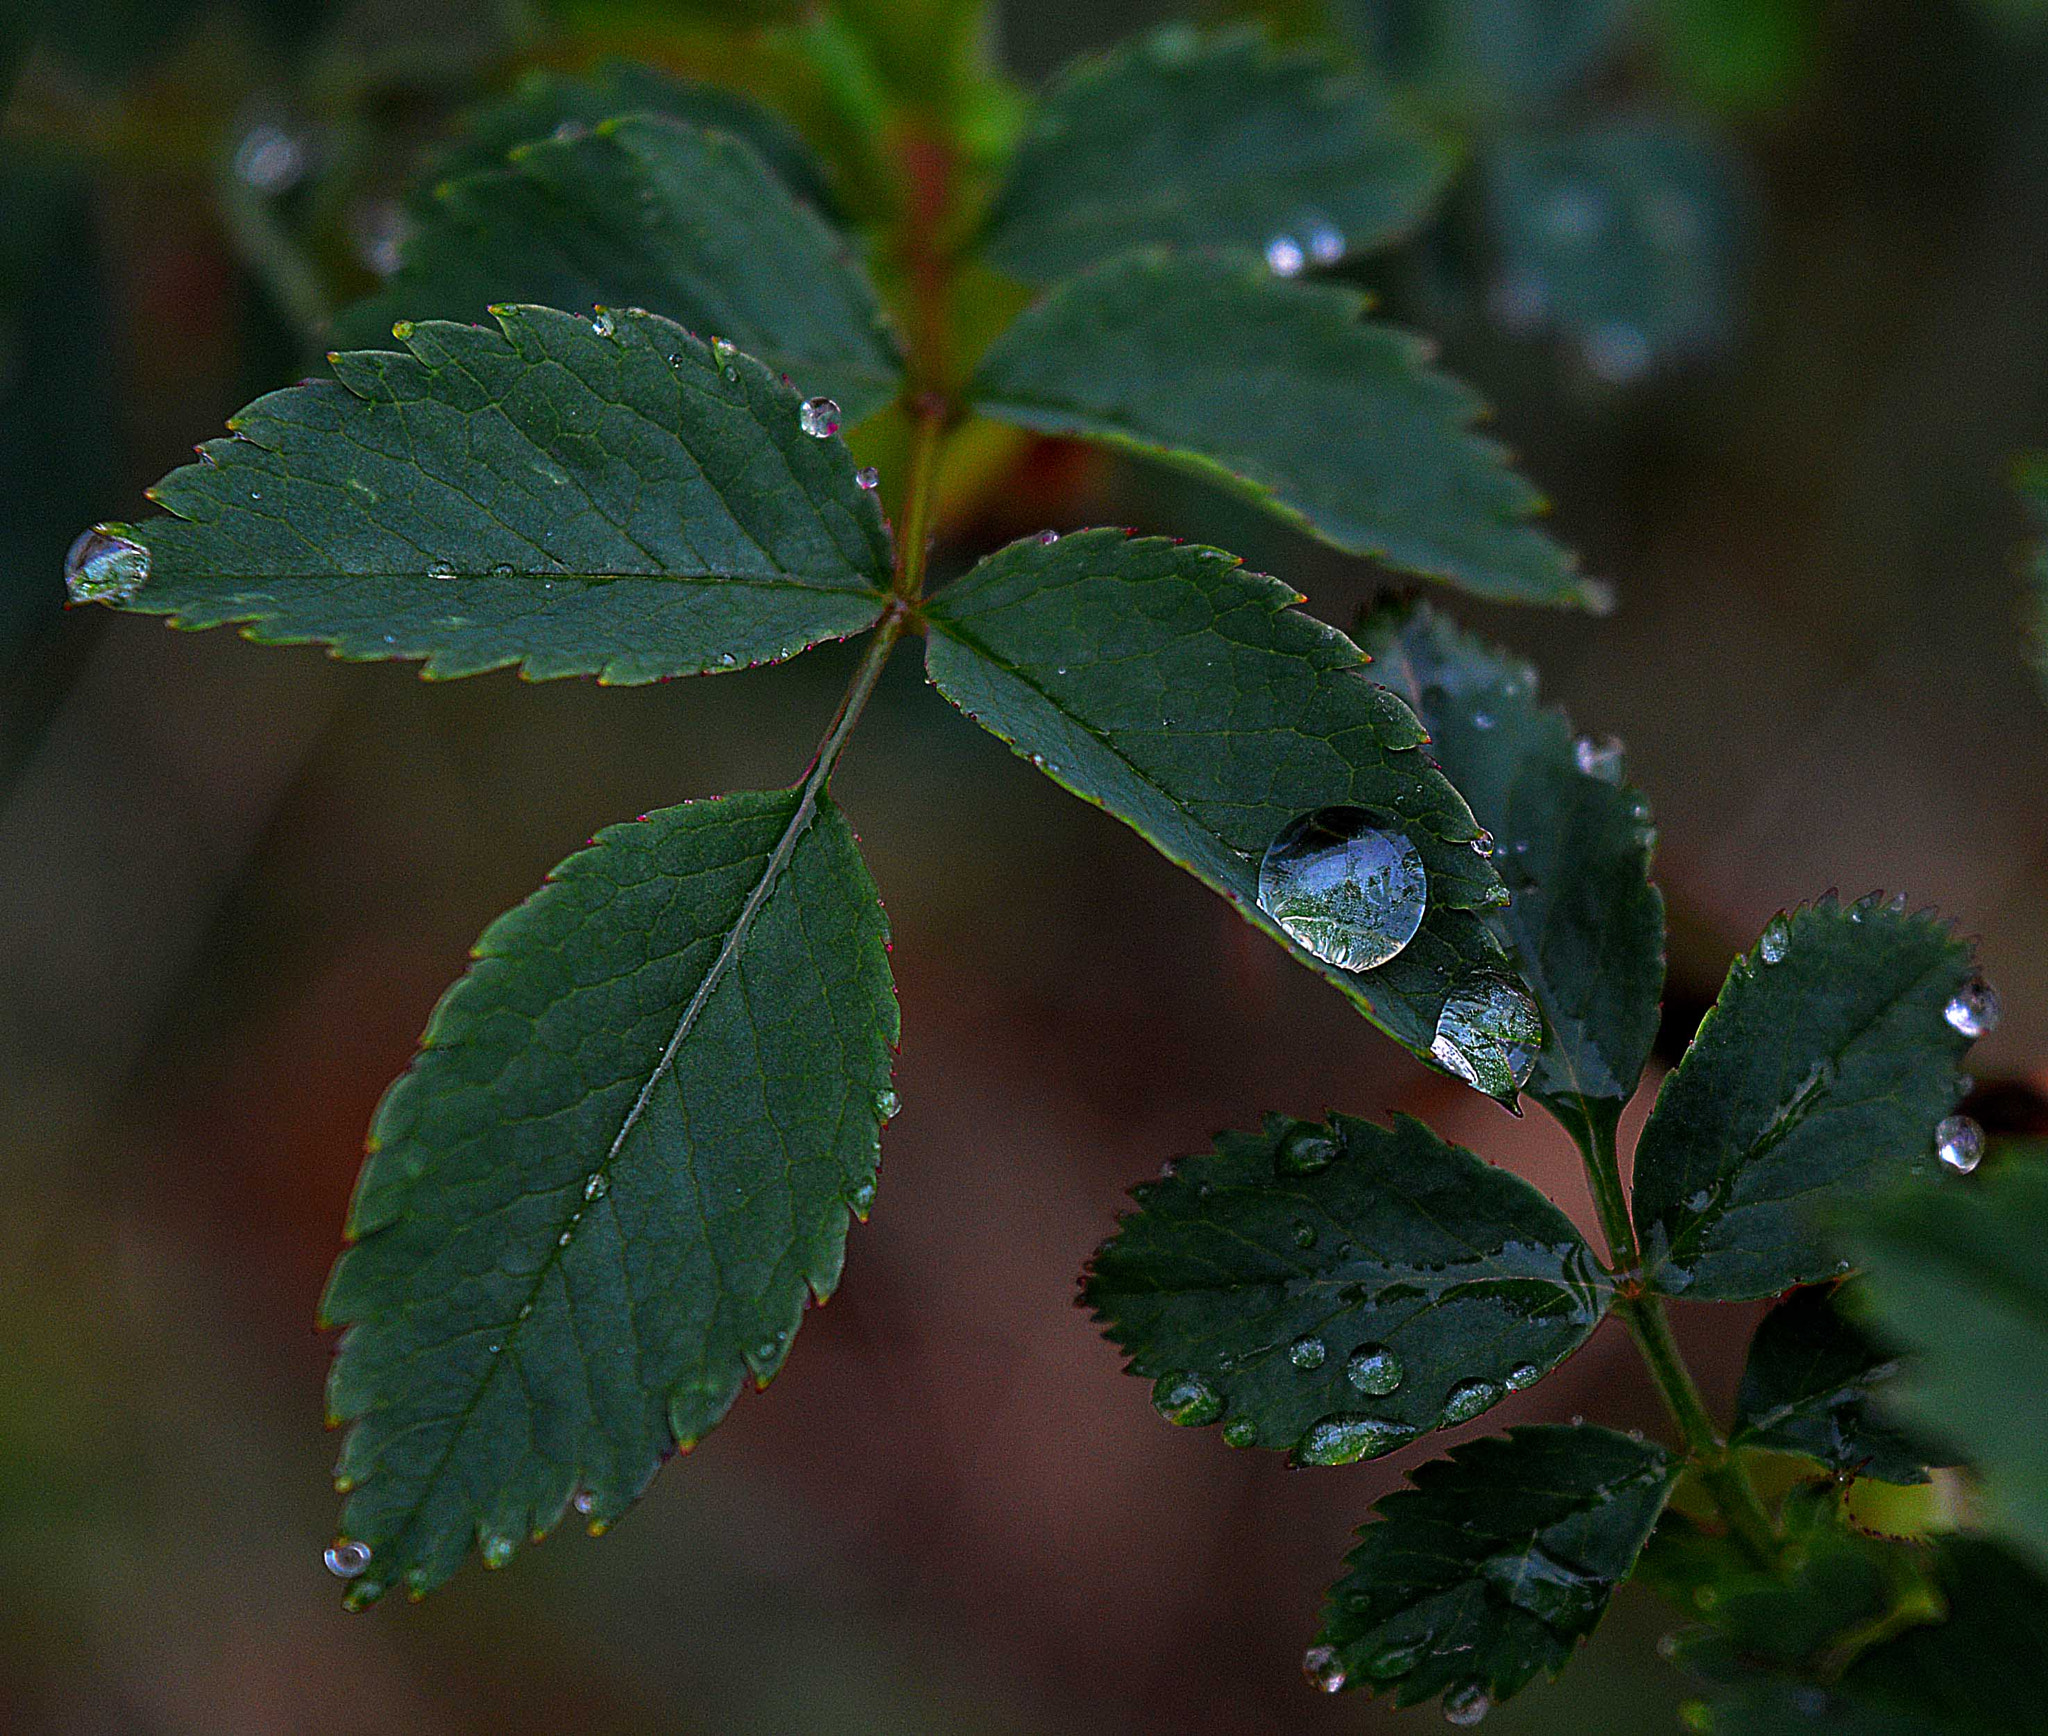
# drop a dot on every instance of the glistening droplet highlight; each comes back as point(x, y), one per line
point(104, 567)
point(1489, 1033)
point(1347, 885)
point(1973, 1010)
point(819, 418)
point(1959, 1143)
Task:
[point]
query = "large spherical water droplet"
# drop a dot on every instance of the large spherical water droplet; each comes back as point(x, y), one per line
point(819, 418)
point(1320, 1664)
point(1959, 1143)
point(105, 568)
point(347, 1560)
point(1467, 1399)
point(1465, 1706)
point(1374, 1370)
point(1343, 1440)
point(1308, 1351)
point(1973, 1010)
point(1489, 1033)
point(1346, 885)
point(1284, 257)
point(1776, 942)
point(1186, 1399)
point(1303, 1150)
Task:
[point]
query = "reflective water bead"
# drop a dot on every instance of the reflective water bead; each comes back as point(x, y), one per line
point(1343, 1440)
point(1307, 1351)
point(441, 570)
point(1959, 1143)
point(269, 159)
point(1326, 244)
point(1241, 1432)
point(597, 1186)
point(584, 1501)
point(1186, 1399)
point(819, 418)
point(1489, 1033)
point(1467, 1399)
point(1346, 885)
point(602, 323)
point(1284, 257)
point(1776, 941)
point(497, 1551)
point(1304, 1234)
point(1320, 1664)
point(1303, 1150)
point(1523, 1376)
point(1973, 1010)
point(1604, 760)
point(347, 1559)
point(886, 1104)
point(1046, 538)
point(102, 567)
point(867, 477)
point(1465, 1706)
point(1374, 1370)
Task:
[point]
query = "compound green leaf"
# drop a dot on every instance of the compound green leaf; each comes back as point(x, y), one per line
point(1336, 1291)
point(1810, 1387)
point(549, 103)
point(1958, 1277)
point(1163, 682)
point(1819, 1074)
point(659, 214)
point(575, 499)
point(1180, 141)
point(1571, 841)
point(1286, 394)
point(1620, 237)
point(1493, 1567)
point(618, 1169)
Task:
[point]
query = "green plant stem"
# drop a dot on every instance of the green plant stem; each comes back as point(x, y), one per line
point(1593, 1126)
point(894, 619)
point(914, 535)
point(268, 251)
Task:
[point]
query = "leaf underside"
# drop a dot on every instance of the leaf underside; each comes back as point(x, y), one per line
point(1176, 141)
point(1285, 393)
point(1168, 685)
point(658, 214)
point(1496, 1564)
point(1586, 927)
point(1811, 1081)
point(1467, 1276)
point(617, 1170)
point(612, 505)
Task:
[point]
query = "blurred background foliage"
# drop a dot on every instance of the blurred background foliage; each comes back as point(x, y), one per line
point(1756, 287)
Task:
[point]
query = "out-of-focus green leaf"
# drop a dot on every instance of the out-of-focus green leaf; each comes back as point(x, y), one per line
point(1959, 1277)
point(1163, 682)
point(1486, 60)
point(1286, 394)
point(656, 214)
point(615, 502)
point(1739, 54)
point(1819, 1074)
point(547, 104)
point(616, 1173)
point(2030, 476)
point(1809, 1387)
point(1335, 1291)
point(1571, 841)
point(1493, 1567)
point(1178, 140)
point(1620, 237)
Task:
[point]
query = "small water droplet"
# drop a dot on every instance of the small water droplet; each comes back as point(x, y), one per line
point(602, 323)
point(564, 1239)
point(1326, 244)
point(886, 1104)
point(1465, 1706)
point(1308, 1351)
point(1776, 941)
point(597, 1186)
point(1345, 1439)
point(1616, 352)
point(1046, 538)
point(497, 1551)
point(103, 567)
point(819, 418)
point(1489, 1034)
point(345, 1560)
point(1959, 1143)
point(1186, 1399)
point(1603, 759)
point(1467, 1399)
point(1304, 1149)
point(1284, 257)
point(584, 1501)
point(1374, 1370)
point(1241, 1432)
point(1320, 1664)
point(441, 570)
point(1345, 885)
point(1973, 1011)
point(269, 159)
point(1304, 1233)
point(1523, 1376)
point(726, 659)
point(867, 477)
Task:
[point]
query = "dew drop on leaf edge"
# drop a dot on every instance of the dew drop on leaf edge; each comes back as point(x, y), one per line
point(1241, 1432)
point(1345, 1439)
point(103, 567)
point(1345, 885)
point(819, 418)
point(1959, 1143)
point(347, 1560)
point(1186, 1399)
point(1489, 1033)
point(1304, 1149)
point(1467, 1399)
point(1465, 1706)
point(1323, 1669)
point(1973, 1011)
point(1776, 941)
point(867, 477)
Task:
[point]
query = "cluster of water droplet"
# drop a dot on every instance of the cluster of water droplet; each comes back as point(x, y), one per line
point(1345, 884)
point(1972, 1012)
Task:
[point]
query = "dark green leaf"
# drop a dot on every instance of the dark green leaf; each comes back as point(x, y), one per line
point(1812, 1080)
point(1808, 1388)
point(1959, 1277)
point(1286, 394)
point(548, 102)
point(1586, 927)
point(602, 504)
point(1488, 58)
point(1620, 237)
point(1179, 141)
point(1496, 1564)
point(1337, 1291)
point(656, 214)
point(615, 1174)
point(1165, 683)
